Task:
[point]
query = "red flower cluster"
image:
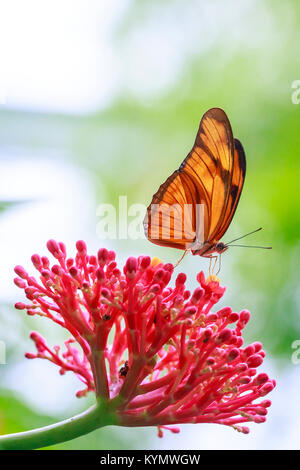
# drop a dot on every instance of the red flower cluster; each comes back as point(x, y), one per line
point(156, 353)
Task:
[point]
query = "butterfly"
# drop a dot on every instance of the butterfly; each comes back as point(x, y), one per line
point(193, 208)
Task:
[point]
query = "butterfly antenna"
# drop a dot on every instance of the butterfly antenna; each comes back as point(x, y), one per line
point(253, 246)
point(250, 233)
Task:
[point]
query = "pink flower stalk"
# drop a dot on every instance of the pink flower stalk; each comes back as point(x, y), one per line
point(157, 354)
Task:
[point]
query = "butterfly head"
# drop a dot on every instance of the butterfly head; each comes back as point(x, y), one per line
point(220, 247)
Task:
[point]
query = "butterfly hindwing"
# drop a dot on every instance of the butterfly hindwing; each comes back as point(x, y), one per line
point(164, 223)
point(237, 182)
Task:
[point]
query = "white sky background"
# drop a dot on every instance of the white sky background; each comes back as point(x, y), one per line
point(57, 56)
point(60, 55)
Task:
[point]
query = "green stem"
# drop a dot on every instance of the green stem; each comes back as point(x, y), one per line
point(95, 417)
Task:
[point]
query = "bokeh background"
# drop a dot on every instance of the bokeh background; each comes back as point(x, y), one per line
point(103, 98)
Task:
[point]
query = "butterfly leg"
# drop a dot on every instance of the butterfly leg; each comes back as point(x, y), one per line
point(211, 269)
point(216, 259)
point(219, 269)
point(180, 259)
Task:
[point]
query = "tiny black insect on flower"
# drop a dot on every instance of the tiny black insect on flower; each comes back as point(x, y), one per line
point(106, 317)
point(124, 369)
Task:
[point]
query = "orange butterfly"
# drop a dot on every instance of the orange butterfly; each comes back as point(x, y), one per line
point(193, 208)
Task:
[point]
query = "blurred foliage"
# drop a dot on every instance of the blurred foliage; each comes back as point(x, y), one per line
point(7, 205)
point(15, 416)
point(246, 66)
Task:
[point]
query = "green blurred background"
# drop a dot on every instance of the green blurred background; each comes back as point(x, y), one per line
point(103, 98)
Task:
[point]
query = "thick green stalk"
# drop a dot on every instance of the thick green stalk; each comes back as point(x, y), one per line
point(95, 417)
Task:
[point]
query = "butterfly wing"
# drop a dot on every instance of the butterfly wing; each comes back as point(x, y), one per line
point(212, 175)
point(236, 186)
point(217, 164)
point(169, 220)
